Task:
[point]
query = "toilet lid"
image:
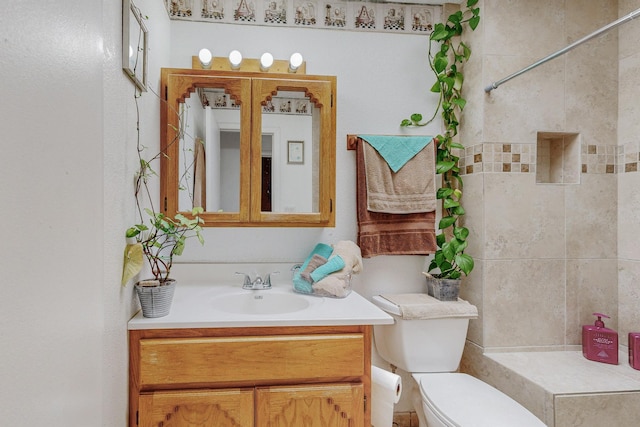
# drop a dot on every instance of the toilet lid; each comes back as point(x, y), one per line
point(465, 401)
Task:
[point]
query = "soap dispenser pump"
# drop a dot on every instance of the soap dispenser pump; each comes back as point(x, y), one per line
point(599, 343)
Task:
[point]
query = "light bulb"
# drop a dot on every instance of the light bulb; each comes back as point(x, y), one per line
point(295, 62)
point(235, 59)
point(266, 61)
point(205, 58)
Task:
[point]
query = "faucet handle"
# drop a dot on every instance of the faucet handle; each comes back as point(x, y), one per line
point(267, 279)
point(247, 280)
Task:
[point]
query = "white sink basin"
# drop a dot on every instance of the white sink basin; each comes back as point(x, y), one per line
point(261, 302)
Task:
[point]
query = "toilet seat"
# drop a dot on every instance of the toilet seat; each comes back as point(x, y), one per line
point(460, 400)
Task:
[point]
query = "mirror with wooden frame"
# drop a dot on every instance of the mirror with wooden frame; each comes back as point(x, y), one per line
point(252, 149)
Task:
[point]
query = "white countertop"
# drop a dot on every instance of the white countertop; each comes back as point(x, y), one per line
point(193, 307)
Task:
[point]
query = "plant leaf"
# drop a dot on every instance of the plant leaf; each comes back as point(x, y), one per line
point(443, 166)
point(446, 222)
point(133, 261)
point(443, 192)
point(473, 22)
point(465, 262)
point(450, 203)
point(461, 233)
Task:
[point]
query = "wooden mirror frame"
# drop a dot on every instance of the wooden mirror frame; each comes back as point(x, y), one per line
point(250, 90)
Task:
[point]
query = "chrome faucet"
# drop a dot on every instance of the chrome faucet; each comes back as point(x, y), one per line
point(258, 282)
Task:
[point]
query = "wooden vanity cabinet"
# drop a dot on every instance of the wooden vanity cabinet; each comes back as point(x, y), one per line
point(271, 376)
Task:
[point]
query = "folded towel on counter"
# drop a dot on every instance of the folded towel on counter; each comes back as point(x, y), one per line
point(334, 285)
point(423, 306)
point(316, 261)
point(397, 150)
point(390, 234)
point(335, 263)
point(412, 189)
point(299, 283)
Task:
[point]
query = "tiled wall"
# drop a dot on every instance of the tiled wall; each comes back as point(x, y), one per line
point(546, 255)
point(629, 183)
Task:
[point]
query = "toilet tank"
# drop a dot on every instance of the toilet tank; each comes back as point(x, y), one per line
point(425, 345)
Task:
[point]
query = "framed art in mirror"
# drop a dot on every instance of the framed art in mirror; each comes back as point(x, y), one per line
point(295, 152)
point(134, 45)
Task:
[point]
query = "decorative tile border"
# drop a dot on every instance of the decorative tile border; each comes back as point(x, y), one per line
point(628, 157)
point(401, 18)
point(517, 158)
point(521, 158)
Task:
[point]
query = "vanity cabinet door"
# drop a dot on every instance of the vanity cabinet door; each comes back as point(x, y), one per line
point(202, 408)
point(326, 405)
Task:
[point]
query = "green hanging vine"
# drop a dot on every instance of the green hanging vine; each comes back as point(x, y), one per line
point(449, 260)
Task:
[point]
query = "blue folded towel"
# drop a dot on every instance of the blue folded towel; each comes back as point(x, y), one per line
point(336, 263)
point(301, 285)
point(397, 150)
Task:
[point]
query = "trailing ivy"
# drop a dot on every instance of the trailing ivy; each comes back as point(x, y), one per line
point(449, 260)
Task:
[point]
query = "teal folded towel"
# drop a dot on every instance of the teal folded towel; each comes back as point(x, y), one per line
point(397, 150)
point(301, 285)
point(336, 263)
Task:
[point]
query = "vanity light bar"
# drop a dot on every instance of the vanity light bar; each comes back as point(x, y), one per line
point(280, 66)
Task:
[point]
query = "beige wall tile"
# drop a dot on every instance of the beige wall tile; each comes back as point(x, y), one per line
point(628, 108)
point(473, 203)
point(591, 72)
point(629, 33)
point(524, 303)
point(591, 217)
point(629, 299)
point(523, 219)
point(514, 27)
point(615, 409)
point(520, 108)
point(628, 208)
point(472, 291)
point(592, 286)
point(590, 103)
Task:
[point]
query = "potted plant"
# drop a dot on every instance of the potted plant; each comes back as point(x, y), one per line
point(449, 262)
point(156, 238)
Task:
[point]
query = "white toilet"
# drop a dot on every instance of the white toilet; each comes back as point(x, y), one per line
point(428, 343)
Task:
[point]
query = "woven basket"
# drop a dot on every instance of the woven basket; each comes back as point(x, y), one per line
point(156, 300)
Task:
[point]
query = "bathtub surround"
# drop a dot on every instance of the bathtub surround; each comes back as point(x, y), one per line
point(551, 252)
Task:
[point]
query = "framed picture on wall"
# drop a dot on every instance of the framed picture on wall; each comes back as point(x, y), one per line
point(134, 45)
point(295, 150)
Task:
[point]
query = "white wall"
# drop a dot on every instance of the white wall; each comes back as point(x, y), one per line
point(120, 163)
point(382, 78)
point(51, 307)
point(66, 173)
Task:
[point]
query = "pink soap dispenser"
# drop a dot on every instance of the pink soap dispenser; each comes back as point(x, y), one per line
point(599, 343)
point(634, 350)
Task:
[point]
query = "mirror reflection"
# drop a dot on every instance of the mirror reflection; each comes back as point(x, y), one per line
point(210, 152)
